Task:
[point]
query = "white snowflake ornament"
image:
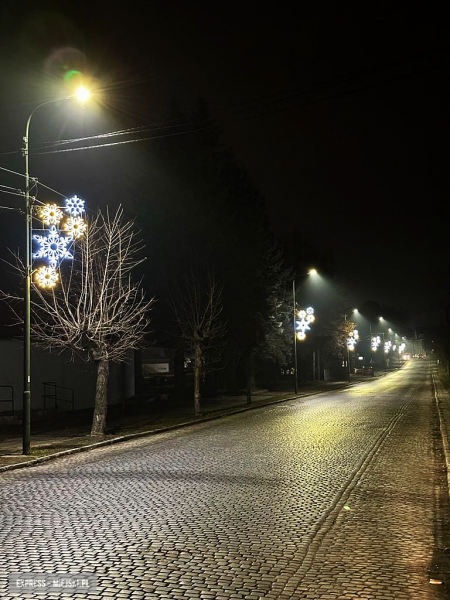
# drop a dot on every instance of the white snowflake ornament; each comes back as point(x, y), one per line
point(52, 247)
point(74, 206)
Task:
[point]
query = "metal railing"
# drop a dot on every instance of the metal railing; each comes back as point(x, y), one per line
point(11, 399)
point(52, 392)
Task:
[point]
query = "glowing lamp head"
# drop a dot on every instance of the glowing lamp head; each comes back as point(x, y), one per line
point(82, 94)
point(313, 272)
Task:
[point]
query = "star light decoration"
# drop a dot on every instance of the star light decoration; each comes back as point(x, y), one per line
point(352, 340)
point(302, 325)
point(55, 247)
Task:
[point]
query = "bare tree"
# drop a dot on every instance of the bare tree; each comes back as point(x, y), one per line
point(96, 311)
point(198, 312)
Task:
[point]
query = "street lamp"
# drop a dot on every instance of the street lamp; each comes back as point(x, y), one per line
point(81, 94)
point(313, 273)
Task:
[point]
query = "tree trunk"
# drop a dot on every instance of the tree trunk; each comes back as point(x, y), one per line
point(101, 399)
point(197, 377)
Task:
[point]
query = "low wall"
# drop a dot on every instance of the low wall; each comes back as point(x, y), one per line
point(45, 366)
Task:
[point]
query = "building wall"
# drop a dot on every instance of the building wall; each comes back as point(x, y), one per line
point(45, 366)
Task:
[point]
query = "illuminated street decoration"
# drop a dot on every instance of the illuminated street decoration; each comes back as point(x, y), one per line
point(74, 206)
point(401, 348)
point(53, 247)
point(352, 340)
point(387, 346)
point(375, 342)
point(51, 214)
point(46, 277)
point(306, 317)
point(75, 227)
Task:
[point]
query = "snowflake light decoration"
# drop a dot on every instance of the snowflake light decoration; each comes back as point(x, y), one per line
point(352, 340)
point(74, 206)
point(375, 342)
point(302, 325)
point(52, 247)
point(75, 227)
point(46, 277)
point(51, 214)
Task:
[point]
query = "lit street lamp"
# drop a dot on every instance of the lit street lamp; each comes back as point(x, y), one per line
point(82, 94)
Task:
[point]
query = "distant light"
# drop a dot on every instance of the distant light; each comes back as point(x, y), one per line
point(352, 340)
point(313, 272)
point(82, 93)
point(381, 319)
point(375, 342)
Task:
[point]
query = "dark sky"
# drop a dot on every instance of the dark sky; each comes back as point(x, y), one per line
point(340, 115)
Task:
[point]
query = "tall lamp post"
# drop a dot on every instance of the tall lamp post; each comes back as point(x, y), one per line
point(82, 94)
point(312, 272)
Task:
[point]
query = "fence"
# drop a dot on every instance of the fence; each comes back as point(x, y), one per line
point(53, 392)
point(10, 399)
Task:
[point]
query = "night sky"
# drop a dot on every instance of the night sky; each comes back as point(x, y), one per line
point(341, 117)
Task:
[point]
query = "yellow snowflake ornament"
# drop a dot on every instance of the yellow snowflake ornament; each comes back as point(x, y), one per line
point(46, 277)
point(75, 227)
point(51, 214)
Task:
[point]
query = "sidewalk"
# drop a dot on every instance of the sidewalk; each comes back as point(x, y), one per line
point(140, 417)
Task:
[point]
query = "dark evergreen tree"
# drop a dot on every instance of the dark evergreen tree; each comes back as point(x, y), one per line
point(205, 205)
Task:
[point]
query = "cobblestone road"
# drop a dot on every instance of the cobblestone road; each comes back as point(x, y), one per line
point(332, 496)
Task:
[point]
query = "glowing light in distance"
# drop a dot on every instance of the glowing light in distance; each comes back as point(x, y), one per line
point(375, 342)
point(46, 277)
point(352, 340)
point(313, 272)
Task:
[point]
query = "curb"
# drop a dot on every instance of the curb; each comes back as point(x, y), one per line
point(439, 394)
point(132, 436)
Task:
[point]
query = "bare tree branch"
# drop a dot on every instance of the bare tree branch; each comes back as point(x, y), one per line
point(96, 312)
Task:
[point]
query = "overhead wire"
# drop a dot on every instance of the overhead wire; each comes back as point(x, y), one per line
point(284, 96)
point(238, 120)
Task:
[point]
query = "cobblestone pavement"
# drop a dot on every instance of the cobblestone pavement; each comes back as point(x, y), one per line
point(333, 496)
